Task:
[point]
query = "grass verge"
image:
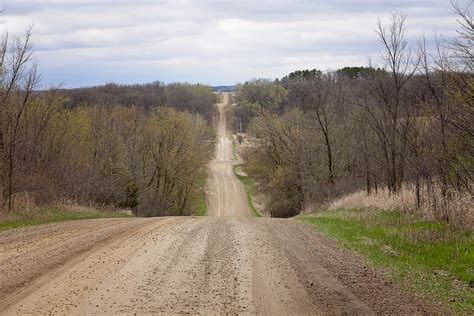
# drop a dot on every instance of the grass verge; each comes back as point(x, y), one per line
point(46, 215)
point(201, 205)
point(234, 149)
point(248, 183)
point(430, 258)
point(249, 186)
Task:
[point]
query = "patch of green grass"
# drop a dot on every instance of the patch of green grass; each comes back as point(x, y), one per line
point(248, 183)
point(234, 150)
point(249, 186)
point(46, 215)
point(430, 258)
point(201, 205)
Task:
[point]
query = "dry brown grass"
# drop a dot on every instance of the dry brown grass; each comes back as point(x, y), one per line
point(459, 208)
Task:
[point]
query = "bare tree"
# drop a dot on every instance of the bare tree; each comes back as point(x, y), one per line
point(18, 80)
point(388, 114)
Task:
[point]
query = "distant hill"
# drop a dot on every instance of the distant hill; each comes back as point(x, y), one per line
point(192, 98)
point(223, 88)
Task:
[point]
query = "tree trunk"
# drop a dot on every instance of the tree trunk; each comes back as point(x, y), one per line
point(418, 197)
point(368, 183)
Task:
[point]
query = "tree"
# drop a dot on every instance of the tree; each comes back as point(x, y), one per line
point(303, 75)
point(18, 79)
point(355, 72)
point(388, 114)
point(328, 101)
point(261, 94)
point(175, 146)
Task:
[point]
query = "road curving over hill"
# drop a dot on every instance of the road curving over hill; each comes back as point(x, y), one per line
point(226, 263)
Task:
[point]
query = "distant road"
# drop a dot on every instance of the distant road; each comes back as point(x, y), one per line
point(227, 196)
point(226, 263)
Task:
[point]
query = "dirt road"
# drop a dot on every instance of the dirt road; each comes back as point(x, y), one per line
point(227, 263)
point(227, 197)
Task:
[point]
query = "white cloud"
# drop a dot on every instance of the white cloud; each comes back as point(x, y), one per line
point(91, 42)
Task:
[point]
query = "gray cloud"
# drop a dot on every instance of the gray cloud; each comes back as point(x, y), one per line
point(92, 42)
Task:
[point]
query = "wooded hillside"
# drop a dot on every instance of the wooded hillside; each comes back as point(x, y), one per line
point(139, 147)
point(405, 126)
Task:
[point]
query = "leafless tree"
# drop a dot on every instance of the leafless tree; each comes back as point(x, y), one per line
point(388, 114)
point(19, 79)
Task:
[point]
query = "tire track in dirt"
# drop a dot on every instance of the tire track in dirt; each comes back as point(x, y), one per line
point(23, 273)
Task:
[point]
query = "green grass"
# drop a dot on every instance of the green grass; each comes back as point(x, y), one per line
point(430, 258)
point(38, 216)
point(234, 150)
point(249, 186)
point(248, 183)
point(201, 206)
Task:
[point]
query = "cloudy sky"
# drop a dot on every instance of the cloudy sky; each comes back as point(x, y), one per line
point(86, 42)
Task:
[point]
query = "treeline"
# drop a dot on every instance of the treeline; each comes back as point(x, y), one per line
point(139, 147)
point(406, 126)
point(180, 96)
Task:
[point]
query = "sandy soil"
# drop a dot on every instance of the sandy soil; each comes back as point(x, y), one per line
point(227, 263)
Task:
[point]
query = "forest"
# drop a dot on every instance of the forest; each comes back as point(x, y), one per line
point(401, 130)
point(137, 147)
